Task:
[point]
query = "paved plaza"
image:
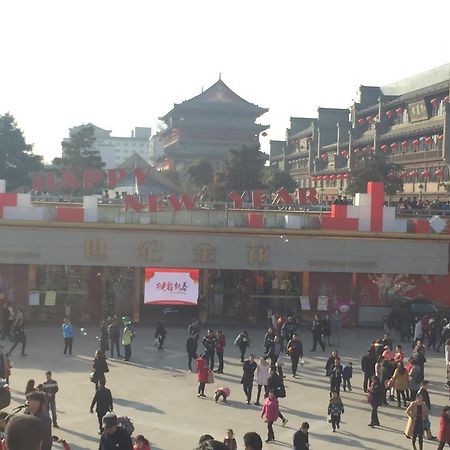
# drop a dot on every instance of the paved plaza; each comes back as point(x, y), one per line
point(160, 395)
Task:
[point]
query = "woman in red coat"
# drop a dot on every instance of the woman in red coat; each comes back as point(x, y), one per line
point(444, 428)
point(202, 374)
point(270, 413)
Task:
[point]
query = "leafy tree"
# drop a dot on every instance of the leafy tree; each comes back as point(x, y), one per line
point(276, 179)
point(202, 173)
point(375, 168)
point(244, 169)
point(78, 154)
point(17, 160)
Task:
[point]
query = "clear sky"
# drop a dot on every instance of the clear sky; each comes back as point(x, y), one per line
point(120, 64)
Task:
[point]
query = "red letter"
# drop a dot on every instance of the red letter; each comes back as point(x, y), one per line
point(307, 196)
point(130, 202)
point(238, 200)
point(154, 203)
point(36, 181)
point(283, 196)
point(258, 197)
point(69, 180)
point(177, 205)
point(91, 177)
point(140, 175)
point(114, 176)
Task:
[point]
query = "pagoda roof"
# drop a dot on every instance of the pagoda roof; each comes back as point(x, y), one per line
point(219, 95)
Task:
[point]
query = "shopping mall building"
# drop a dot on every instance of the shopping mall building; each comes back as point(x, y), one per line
point(89, 259)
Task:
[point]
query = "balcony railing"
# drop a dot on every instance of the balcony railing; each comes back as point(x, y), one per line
point(417, 156)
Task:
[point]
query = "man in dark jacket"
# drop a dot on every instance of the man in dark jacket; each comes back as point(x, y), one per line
point(104, 402)
point(275, 383)
point(316, 330)
point(36, 407)
point(114, 437)
point(368, 362)
point(220, 345)
point(301, 440)
point(295, 351)
point(248, 368)
point(51, 388)
point(336, 376)
point(209, 342)
point(191, 349)
point(114, 337)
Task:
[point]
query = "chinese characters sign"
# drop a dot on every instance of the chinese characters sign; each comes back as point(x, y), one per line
point(171, 286)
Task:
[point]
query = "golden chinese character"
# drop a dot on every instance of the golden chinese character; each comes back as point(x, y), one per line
point(258, 254)
point(150, 251)
point(95, 249)
point(204, 253)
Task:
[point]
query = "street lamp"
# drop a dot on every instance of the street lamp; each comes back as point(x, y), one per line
point(420, 187)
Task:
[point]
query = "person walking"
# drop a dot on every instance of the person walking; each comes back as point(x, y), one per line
point(268, 339)
point(50, 387)
point(316, 330)
point(191, 349)
point(160, 335)
point(417, 412)
point(248, 375)
point(336, 377)
point(19, 336)
point(415, 379)
point(114, 337)
point(127, 338)
point(295, 351)
point(423, 391)
point(336, 326)
point(100, 368)
point(114, 437)
point(270, 413)
point(335, 409)
point(37, 408)
point(220, 346)
point(444, 428)
point(104, 341)
point(301, 437)
point(330, 362)
point(262, 375)
point(209, 343)
point(347, 374)
point(326, 329)
point(368, 362)
point(375, 399)
point(274, 350)
point(103, 403)
point(201, 364)
point(401, 383)
point(275, 383)
point(68, 331)
point(243, 342)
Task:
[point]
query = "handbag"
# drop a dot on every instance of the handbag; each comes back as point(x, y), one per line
point(92, 377)
point(210, 378)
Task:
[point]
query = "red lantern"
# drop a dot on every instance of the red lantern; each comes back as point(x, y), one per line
point(405, 144)
point(389, 114)
point(339, 176)
point(413, 173)
point(384, 148)
point(369, 119)
point(319, 178)
point(429, 140)
point(403, 174)
point(446, 99)
point(439, 172)
point(313, 179)
point(361, 121)
point(356, 150)
point(441, 137)
point(434, 101)
point(344, 153)
point(324, 156)
point(367, 149)
point(345, 176)
point(326, 177)
point(394, 146)
point(426, 173)
point(399, 111)
point(332, 177)
point(416, 142)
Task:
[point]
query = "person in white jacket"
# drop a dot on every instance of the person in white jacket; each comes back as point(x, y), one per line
point(418, 332)
point(262, 375)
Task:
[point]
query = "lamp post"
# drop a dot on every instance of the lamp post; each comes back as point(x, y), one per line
point(420, 187)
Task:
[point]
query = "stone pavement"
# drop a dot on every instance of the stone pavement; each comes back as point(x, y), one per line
point(160, 395)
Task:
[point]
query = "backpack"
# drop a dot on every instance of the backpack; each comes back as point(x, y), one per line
point(126, 423)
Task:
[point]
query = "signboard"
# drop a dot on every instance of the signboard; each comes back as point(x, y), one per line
point(417, 111)
point(171, 286)
point(322, 303)
point(34, 298)
point(304, 303)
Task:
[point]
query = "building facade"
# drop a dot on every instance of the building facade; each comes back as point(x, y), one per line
point(207, 127)
point(114, 150)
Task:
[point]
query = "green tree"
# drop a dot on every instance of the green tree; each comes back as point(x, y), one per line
point(202, 173)
point(244, 169)
point(17, 160)
point(276, 179)
point(79, 155)
point(375, 168)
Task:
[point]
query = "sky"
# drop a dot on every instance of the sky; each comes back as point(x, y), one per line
point(121, 64)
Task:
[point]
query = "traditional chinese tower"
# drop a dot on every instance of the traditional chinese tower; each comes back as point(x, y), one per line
point(208, 126)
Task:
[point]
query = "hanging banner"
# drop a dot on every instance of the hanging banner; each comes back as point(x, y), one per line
point(171, 286)
point(322, 303)
point(304, 303)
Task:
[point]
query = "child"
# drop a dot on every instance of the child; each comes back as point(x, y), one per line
point(347, 375)
point(335, 409)
point(141, 443)
point(223, 392)
point(230, 441)
point(301, 438)
point(30, 387)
